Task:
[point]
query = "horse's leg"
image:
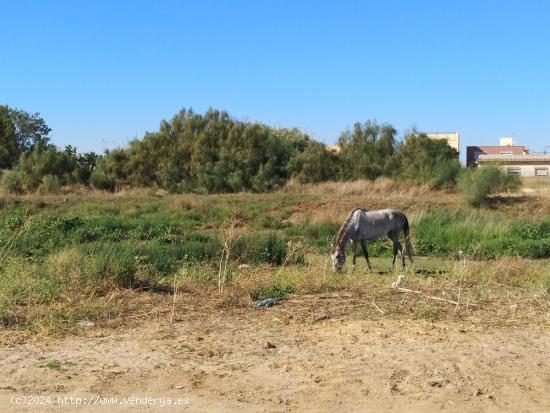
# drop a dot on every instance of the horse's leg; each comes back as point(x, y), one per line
point(353, 248)
point(366, 253)
point(395, 242)
point(401, 255)
point(395, 249)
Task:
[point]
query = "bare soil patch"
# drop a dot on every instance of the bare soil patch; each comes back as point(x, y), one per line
point(317, 353)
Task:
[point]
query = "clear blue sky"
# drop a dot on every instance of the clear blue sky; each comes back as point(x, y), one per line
point(104, 72)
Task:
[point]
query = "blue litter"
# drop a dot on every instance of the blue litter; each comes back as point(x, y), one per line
point(268, 302)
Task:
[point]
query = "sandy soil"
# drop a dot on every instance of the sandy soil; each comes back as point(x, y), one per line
point(221, 360)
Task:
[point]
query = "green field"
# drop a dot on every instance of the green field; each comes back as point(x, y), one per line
point(63, 257)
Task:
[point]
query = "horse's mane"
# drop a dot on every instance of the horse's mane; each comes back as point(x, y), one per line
point(344, 228)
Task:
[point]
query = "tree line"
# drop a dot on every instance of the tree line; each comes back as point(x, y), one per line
point(213, 153)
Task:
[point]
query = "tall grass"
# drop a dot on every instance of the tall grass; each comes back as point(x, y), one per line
point(481, 234)
point(61, 258)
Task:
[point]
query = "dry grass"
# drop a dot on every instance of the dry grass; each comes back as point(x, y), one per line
point(334, 200)
point(505, 289)
point(536, 185)
point(508, 291)
point(487, 293)
point(358, 187)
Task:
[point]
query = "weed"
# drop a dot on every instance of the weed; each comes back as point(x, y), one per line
point(55, 364)
point(278, 291)
point(426, 313)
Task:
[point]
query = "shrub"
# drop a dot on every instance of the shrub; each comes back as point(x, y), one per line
point(130, 264)
point(425, 161)
point(533, 248)
point(531, 230)
point(267, 221)
point(50, 184)
point(263, 248)
point(11, 182)
point(314, 164)
point(477, 184)
point(278, 291)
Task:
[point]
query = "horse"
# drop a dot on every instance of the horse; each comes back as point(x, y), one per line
point(362, 225)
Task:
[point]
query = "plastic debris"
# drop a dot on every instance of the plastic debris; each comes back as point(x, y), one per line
point(268, 302)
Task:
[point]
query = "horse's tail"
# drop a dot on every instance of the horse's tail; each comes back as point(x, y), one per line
point(408, 242)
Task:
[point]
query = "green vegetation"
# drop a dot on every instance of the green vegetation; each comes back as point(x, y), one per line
point(55, 364)
point(260, 248)
point(315, 164)
point(477, 184)
point(426, 313)
point(426, 161)
point(480, 234)
point(19, 133)
point(316, 235)
point(279, 290)
point(215, 153)
point(61, 261)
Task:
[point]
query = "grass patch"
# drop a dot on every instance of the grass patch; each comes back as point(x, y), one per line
point(278, 291)
point(426, 313)
point(54, 364)
point(318, 236)
point(260, 248)
point(480, 234)
point(62, 258)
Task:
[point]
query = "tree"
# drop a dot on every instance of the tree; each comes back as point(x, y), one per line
point(111, 170)
point(296, 140)
point(314, 164)
point(205, 153)
point(41, 165)
point(31, 130)
point(366, 149)
point(20, 132)
point(426, 161)
point(8, 139)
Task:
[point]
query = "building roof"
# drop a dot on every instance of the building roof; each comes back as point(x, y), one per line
point(531, 158)
point(497, 146)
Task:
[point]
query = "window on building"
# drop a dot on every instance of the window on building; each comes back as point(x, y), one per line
point(541, 171)
point(514, 171)
point(506, 153)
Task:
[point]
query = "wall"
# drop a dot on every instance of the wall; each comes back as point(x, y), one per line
point(526, 169)
point(452, 138)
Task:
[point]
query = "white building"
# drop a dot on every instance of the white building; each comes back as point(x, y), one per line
point(523, 165)
point(452, 138)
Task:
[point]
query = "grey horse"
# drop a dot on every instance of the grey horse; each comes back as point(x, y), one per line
point(362, 225)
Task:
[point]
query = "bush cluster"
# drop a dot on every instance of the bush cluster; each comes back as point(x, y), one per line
point(477, 184)
point(215, 153)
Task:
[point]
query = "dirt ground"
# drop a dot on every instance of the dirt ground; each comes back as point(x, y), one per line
point(307, 354)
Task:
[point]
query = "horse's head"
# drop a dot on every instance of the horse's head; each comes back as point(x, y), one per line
point(338, 258)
